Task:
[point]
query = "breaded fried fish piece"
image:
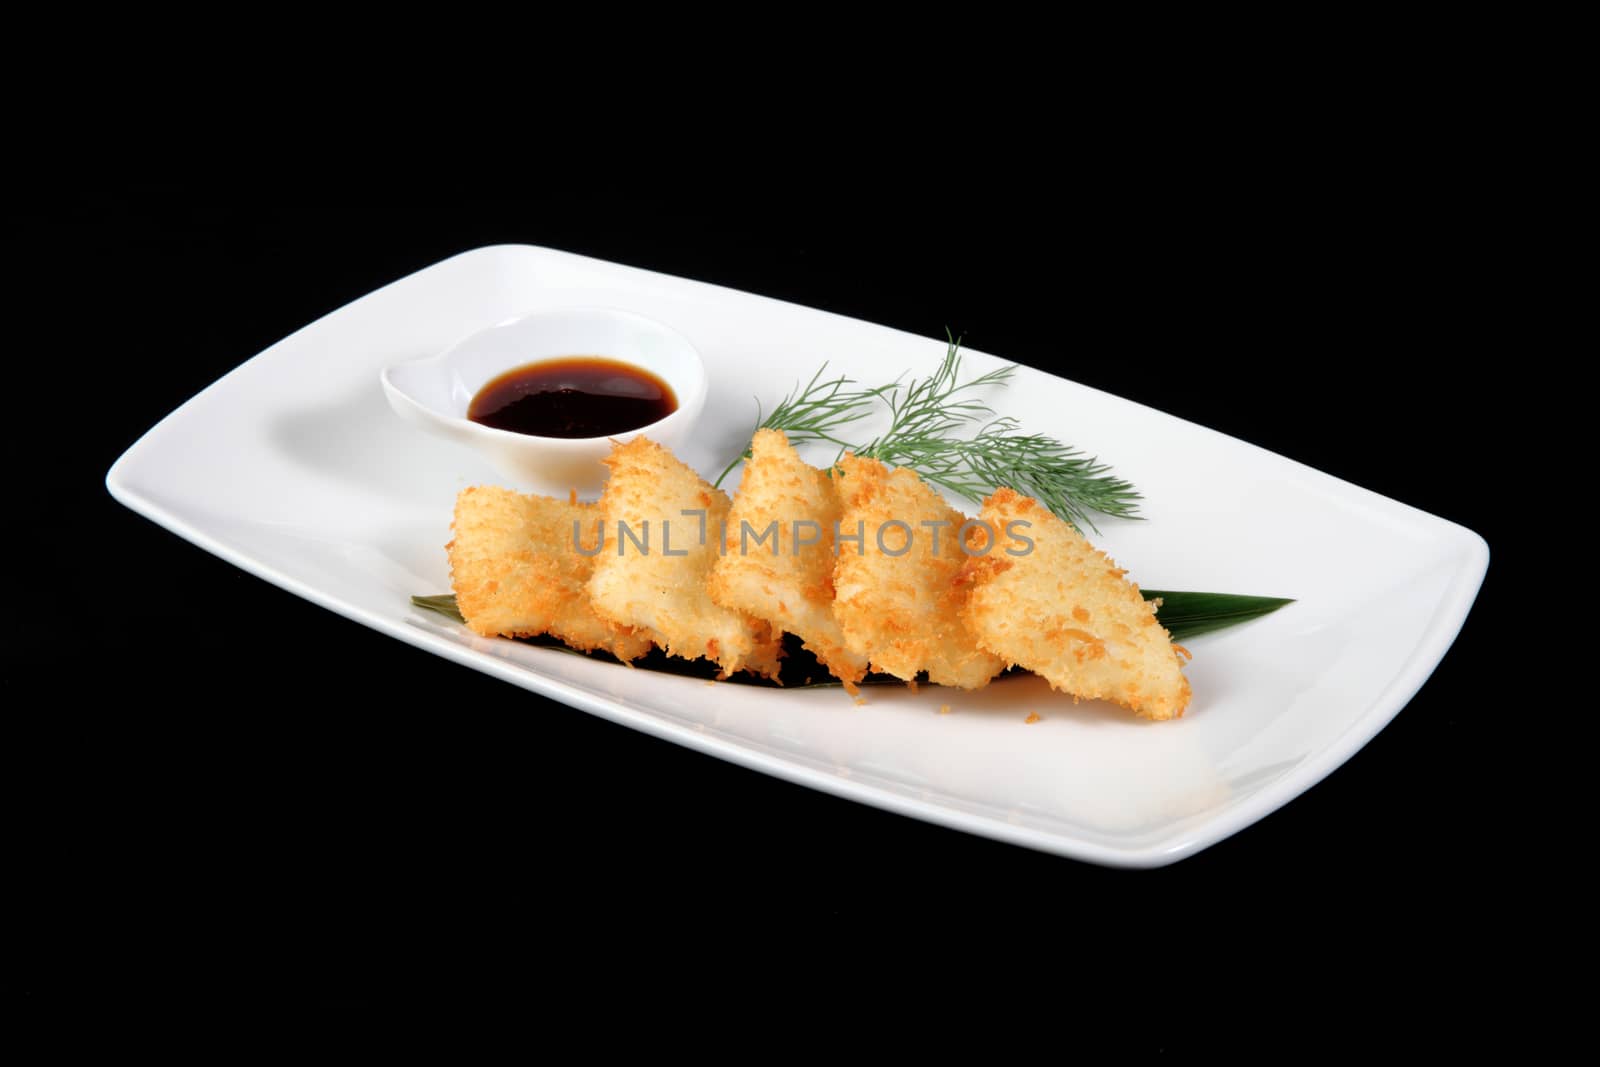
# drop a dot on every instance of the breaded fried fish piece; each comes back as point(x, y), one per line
point(516, 573)
point(652, 574)
point(786, 577)
point(903, 611)
point(1063, 609)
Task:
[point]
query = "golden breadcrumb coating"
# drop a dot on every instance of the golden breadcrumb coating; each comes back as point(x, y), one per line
point(516, 574)
point(665, 594)
point(1064, 611)
point(904, 611)
point(784, 578)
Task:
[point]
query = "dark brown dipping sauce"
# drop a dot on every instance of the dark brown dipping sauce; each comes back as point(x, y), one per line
point(573, 396)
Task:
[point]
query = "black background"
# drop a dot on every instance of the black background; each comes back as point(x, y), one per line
point(212, 760)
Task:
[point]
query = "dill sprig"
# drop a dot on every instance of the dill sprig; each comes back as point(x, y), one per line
point(1060, 477)
point(815, 412)
point(926, 415)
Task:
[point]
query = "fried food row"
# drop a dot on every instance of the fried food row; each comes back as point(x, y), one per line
point(869, 567)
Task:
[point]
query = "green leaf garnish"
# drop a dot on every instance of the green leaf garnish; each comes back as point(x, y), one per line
point(1188, 615)
point(444, 604)
point(1184, 615)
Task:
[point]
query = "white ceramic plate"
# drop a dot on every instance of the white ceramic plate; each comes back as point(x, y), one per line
point(293, 467)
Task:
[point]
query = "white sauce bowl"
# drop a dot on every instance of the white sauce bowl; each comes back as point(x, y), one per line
point(435, 392)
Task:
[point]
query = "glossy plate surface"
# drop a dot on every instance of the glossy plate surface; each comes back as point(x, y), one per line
point(294, 468)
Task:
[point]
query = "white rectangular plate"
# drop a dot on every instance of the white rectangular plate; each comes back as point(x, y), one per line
point(293, 468)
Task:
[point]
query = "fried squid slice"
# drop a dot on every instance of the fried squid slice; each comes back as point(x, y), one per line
point(516, 573)
point(661, 525)
point(1044, 598)
point(896, 593)
point(777, 563)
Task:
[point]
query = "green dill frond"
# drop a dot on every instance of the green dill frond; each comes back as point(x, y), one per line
point(925, 417)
